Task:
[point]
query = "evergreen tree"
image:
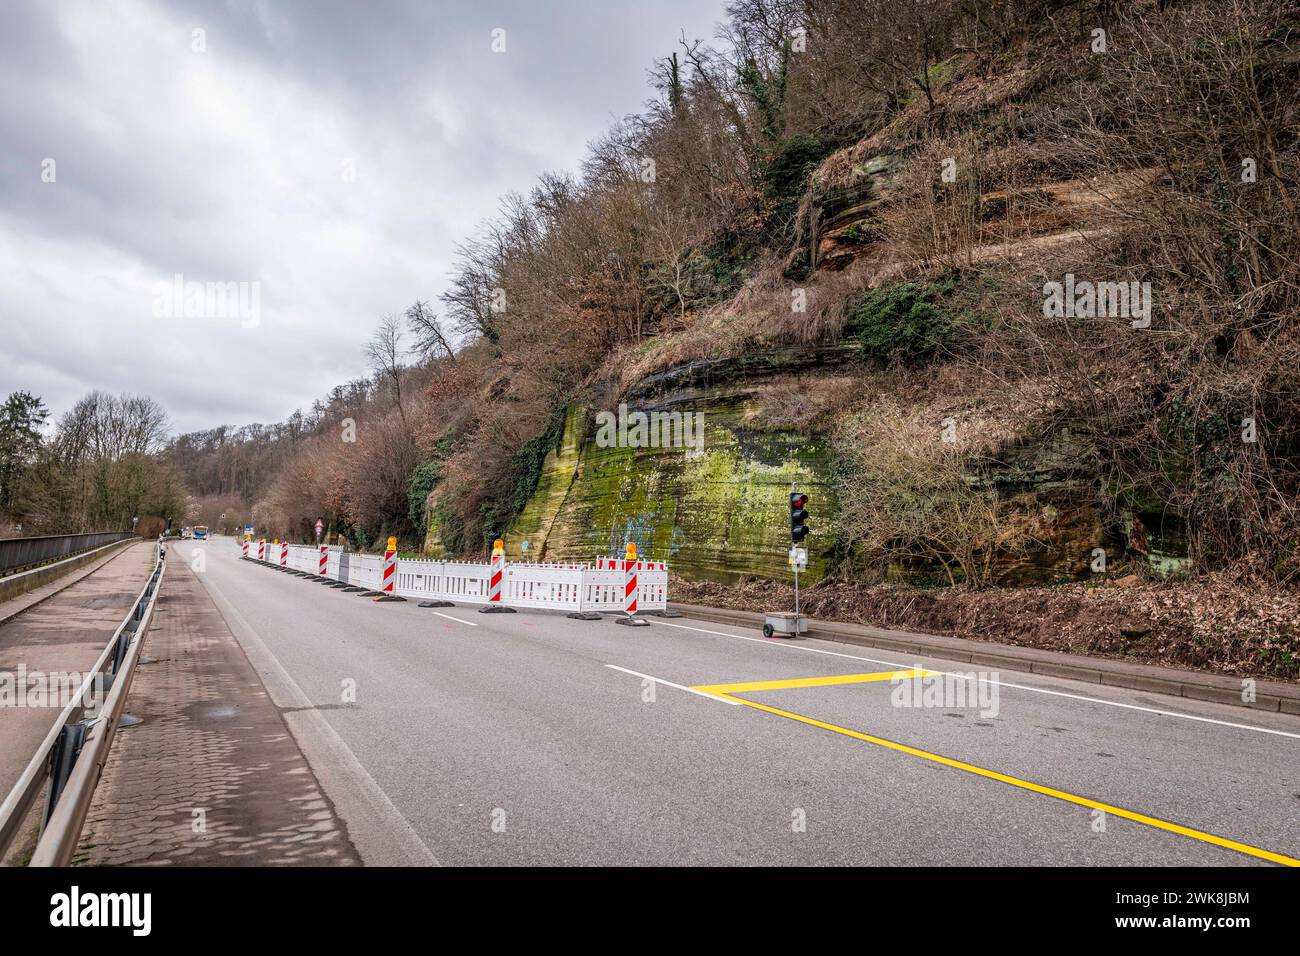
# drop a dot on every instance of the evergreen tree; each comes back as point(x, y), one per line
point(22, 417)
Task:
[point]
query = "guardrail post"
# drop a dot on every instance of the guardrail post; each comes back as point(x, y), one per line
point(123, 645)
point(62, 757)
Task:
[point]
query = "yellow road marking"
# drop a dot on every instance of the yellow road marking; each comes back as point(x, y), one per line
point(1027, 785)
point(811, 681)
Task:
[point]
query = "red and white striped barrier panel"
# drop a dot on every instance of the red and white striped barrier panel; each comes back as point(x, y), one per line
point(390, 566)
point(576, 587)
point(261, 549)
point(498, 572)
point(245, 547)
point(629, 588)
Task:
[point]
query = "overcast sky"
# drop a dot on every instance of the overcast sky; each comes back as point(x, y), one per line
point(331, 153)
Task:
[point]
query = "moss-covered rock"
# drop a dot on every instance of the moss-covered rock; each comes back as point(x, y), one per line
point(527, 535)
point(719, 512)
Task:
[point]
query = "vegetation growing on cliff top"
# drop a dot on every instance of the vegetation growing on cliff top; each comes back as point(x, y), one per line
point(849, 156)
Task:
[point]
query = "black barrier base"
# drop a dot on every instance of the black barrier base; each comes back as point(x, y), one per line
point(631, 622)
point(662, 613)
point(435, 604)
point(584, 615)
point(496, 609)
point(372, 593)
point(385, 598)
point(351, 589)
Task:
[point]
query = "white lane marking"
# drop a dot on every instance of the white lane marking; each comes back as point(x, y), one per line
point(456, 619)
point(668, 683)
point(1036, 690)
point(382, 836)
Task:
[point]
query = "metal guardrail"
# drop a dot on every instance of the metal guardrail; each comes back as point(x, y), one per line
point(18, 553)
point(72, 755)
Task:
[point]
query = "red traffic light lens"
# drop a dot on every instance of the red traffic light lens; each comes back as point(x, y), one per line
point(798, 500)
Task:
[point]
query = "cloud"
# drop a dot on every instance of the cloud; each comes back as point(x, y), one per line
point(333, 154)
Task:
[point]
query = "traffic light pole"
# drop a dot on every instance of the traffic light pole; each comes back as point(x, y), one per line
point(797, 531)
point(783, 622)
point(796, 587)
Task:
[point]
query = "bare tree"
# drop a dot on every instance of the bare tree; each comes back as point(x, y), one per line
point(671, 239)
point(103, 427)
point(474, 298)
point(430, 341)
point(384, 352)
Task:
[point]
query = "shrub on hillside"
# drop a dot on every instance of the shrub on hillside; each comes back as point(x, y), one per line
point(904, 324)
point(909, 497)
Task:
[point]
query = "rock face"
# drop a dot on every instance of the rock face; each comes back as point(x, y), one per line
point(718, 510)
point(528, 534)
point(843, 220)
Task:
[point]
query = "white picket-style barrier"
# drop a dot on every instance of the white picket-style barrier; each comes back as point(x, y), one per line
point(553, 587)
point(557, 587)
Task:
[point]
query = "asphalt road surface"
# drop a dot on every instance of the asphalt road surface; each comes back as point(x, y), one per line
point(529, 738)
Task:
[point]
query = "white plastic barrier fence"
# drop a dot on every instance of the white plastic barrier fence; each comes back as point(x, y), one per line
point(363, 570)
point(559, 587)
point(616, 564)
point(607, 590)
point(307, 559)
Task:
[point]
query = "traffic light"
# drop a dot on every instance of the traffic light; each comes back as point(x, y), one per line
point(798, 516)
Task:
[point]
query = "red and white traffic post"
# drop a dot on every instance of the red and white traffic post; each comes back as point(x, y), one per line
point(629, 582)
point(630, 567)
point(245, 543)
point(496, 577)
point(324, 559)
point(261, 549)
point(284, 554)
point(389, 579)
point(390, 566)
